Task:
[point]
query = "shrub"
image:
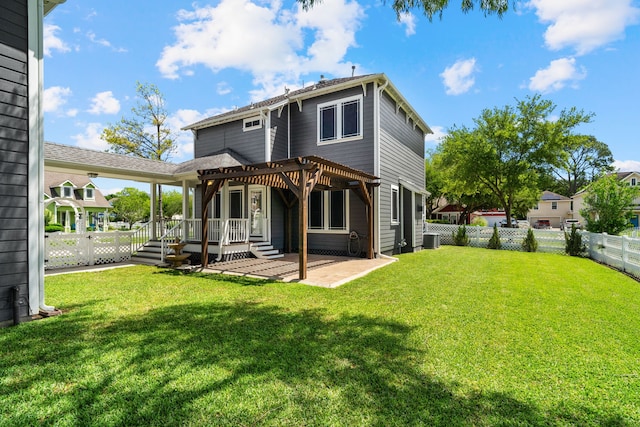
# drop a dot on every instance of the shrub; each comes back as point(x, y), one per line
point(53, 227)
point(530, 244)
point(479, 221)
point(494, 241)
point(574, 246)
point(460, 237)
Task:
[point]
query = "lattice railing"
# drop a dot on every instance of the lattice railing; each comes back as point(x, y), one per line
point(64, 250)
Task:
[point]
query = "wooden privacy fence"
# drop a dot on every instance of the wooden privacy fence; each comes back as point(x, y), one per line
point(621, 252)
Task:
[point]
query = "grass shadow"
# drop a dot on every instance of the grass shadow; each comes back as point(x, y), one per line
point(239, 364)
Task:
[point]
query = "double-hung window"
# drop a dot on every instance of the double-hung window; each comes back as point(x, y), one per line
point(340, 120)
point(328, 211)
point(67, 191)
point(88, 194)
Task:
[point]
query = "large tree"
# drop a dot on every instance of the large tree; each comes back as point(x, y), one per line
point(146, 133)
point(432, 8)
point(584, 158)
point(609, 205)
point(508, 147)
point(131, 205)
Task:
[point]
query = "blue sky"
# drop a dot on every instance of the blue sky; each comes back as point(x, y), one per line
point(207, 57)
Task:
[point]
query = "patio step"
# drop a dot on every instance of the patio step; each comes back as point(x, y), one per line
point(150, 253)
point(264, 250)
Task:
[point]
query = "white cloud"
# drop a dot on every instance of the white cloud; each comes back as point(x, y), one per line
point(223, 88)
point(103, 42)
point(627, 165)
point(91, 137)
point(557, 75)
point(459, 78)
point(104, 103)
point(52, 41)
point(436, 137)
point(584, 25)
point(54, 98)
point(263, 39)
point(408, 19)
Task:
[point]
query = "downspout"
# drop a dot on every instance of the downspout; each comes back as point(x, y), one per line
point(376, 163)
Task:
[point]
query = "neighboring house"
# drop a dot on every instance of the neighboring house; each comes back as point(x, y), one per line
point(553, 207)
point(74, 199)
point(447, 212)
point(631, 178)
point(21, 167)
point(360, 127)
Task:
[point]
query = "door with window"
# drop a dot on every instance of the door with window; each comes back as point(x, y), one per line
point(257, 206)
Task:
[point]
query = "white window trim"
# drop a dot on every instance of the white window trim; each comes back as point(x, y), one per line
point(338, 103)
point(396, 189)
point(64, 187)
point(251, 120)
point(325, 216)
point(554, 206)
point(93, 192)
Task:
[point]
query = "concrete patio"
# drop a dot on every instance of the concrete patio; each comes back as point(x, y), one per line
point(322, 270)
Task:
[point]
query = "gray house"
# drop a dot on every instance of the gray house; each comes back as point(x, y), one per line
point(361, 145)
point(21, 167)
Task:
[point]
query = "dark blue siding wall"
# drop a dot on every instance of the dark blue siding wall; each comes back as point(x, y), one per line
point(14, 155)
point(401, 157)
point(304, 132)
point(230, 135)
point(279, 137)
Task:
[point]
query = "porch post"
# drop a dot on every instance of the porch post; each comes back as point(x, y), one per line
point(154, 231)
point(204, 235)
point(185, 209)
point(302, 220)
point(370, 224)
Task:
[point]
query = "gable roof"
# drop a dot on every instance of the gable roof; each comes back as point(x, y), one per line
point(317, 89)
point(549, 196)
point(53, 181)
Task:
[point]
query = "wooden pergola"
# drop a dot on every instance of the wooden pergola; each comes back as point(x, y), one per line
point(300, 175)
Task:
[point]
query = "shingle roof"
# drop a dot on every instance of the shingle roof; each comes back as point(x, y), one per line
point(316, 89)
point(53, 180)
point(68, 158)
point(551, 196)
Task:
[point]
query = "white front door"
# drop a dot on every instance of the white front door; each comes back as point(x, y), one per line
point(257, 205)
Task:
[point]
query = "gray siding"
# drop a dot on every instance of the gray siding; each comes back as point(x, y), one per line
point(304, 132)
point(401, 157)
point(14, 155)
point(279, 137)
point(249, 144)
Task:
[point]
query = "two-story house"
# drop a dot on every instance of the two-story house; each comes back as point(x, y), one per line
point(553, 207)
point(349, 152)
point(631, 178)
point(75, 199)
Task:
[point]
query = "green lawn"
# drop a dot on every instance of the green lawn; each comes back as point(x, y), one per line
point(456, 336)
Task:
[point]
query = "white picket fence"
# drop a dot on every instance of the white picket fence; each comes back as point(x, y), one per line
point(621, 252)
point(64, 250)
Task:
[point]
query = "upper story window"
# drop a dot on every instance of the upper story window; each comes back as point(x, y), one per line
point(340, 120)
point(633, 182)
point(554, 205)
point(328, 211)
point(67, 191)
point(252, 123)
point(89, 194)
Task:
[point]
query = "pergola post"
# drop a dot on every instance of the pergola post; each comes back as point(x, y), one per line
point(209, 189)
point(302, 221)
